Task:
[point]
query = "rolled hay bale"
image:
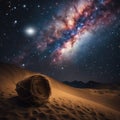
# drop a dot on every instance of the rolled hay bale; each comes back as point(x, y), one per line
point(34, 90)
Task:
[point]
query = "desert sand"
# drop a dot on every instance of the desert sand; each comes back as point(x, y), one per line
point(64, 103)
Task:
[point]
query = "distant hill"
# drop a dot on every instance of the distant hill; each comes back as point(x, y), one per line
point(92, 84)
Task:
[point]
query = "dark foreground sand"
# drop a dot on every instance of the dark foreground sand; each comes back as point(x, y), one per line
point(65, 103)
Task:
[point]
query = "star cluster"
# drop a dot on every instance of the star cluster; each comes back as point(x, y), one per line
point(76, 38)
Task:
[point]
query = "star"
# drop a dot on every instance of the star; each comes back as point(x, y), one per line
point(15, 8)
point(15, 22)
point(38, 6)
point(30, 31)
point(24, 6)
point(6, 14)
point(62, 68)
point(23, 65)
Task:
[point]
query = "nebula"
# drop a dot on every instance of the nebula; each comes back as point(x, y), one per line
point(71, 23)
point(59, 40)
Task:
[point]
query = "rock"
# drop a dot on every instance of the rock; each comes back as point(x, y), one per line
point(34, 90)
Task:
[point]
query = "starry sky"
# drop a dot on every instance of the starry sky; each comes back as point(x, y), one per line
point(65, 39)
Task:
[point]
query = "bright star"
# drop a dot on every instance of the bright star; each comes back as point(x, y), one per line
point(30, 31)
point(23, 65)
point(24, 6)
point(15, 22)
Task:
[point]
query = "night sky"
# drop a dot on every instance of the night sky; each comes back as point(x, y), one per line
point(65, 39)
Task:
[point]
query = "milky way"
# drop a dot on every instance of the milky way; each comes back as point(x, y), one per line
point(59, 40)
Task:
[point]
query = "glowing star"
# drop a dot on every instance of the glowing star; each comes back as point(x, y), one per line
point(30, 31)
point(15, 22)
point(23, 65)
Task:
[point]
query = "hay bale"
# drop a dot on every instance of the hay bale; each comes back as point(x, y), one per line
point(34, 90)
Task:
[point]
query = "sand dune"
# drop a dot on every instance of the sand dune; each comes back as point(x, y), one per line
point(65, 103)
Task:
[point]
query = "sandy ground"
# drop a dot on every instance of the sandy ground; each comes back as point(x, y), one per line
point(65, 103)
